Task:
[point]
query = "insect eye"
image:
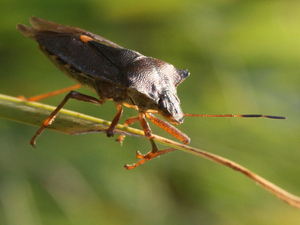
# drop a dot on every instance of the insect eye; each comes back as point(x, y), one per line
point(161, 104)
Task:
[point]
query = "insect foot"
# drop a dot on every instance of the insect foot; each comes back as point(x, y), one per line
point(148, 156)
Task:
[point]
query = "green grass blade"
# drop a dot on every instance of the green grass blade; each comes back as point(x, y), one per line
point(73, 123)
point(68, 122)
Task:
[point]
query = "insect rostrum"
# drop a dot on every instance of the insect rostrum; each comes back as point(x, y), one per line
point(124, 76)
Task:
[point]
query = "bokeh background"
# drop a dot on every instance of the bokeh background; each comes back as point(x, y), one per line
point(244, 57)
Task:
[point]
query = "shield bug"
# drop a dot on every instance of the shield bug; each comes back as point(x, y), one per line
point(124, 76)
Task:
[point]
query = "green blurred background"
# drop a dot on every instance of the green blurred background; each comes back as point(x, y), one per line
point(243, 58)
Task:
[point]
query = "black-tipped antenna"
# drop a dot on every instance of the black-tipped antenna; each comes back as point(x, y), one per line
point(233, 115)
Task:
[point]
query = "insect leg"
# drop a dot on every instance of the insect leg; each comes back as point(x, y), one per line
point(154, 152)
point(50, 94)
point(169, 128)
point(129, 121)
point(114, 123)
point(162, 124)
point(146, 157)
point(147, 129)
point(50, 119)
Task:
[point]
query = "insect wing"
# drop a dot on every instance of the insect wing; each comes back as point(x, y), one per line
point(120, 57)
point(95, 59)
point(45, 25)
point(72, 50)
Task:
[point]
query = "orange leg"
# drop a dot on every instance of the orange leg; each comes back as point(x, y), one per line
point(129, 121)
point(50, 119)
point(146, 157)
point(50, 94)
point(154, 152)
point(160, 123)
point(169, 128)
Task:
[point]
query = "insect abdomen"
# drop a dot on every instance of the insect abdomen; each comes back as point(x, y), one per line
point(71, 71)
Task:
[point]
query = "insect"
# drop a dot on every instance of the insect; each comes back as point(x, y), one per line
point(124, 76)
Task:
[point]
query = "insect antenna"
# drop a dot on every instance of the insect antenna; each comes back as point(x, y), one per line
point(234, 115)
